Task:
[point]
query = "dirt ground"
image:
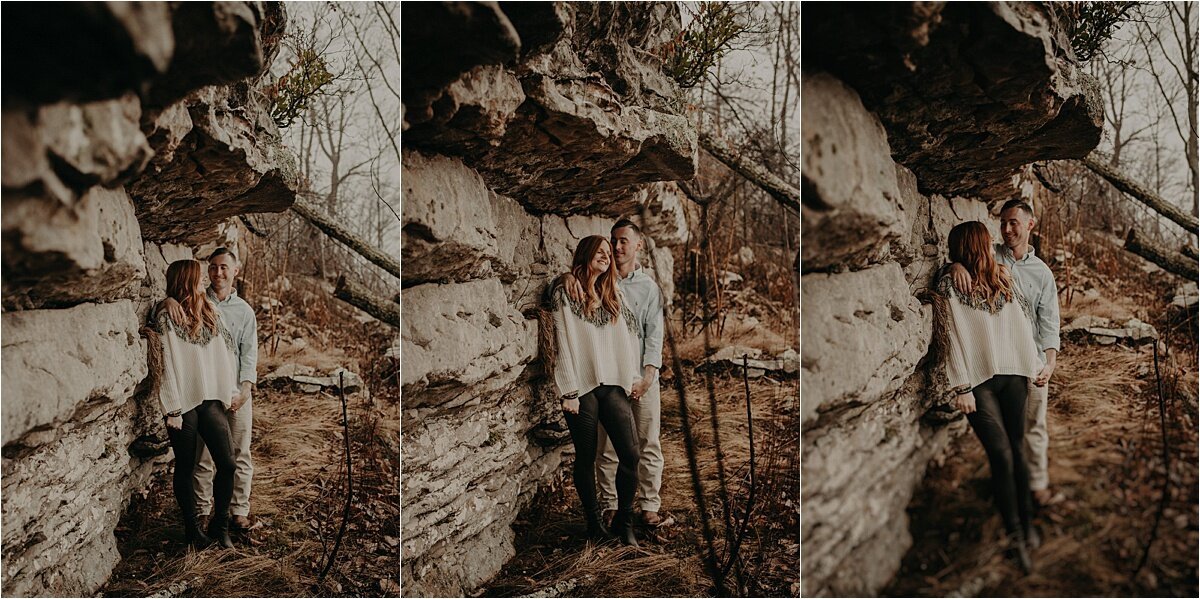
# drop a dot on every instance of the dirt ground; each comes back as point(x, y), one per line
point(1106, 462)
point(552, 557)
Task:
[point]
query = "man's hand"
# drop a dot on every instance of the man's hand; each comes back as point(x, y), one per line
point(962, 278)
point(571, 406)
point(639, 389)
point(240, 398)
point(175, 310)
point(965, 402)
point(1043, 377)
point(175, 422)
point(574, 289)
point(649, 375)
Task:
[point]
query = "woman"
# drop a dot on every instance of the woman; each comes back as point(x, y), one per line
point(989, 355)
point(197, 386)
point(597, 363)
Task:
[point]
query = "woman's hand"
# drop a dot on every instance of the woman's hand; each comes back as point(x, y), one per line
point(965, 402)
point(570, 405)
point(175, 422)
point(237, 401)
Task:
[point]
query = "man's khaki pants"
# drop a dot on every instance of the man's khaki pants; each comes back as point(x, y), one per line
point(646, 411)
point(240, 424)
point(1037, 440)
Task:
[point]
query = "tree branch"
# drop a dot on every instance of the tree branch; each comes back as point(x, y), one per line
point(358, 296)
point(778, 188)
point(325, 223)
point(1169, 261)
point(1139, 192)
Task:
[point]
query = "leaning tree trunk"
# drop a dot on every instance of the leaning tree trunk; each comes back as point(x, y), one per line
point(756, 173)
point(325, 223)
point(1166, 259)
point(359, 297)
point(1140, 192)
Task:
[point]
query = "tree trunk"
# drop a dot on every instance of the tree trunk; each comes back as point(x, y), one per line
point(358, 296)
point(1169, 261)
point(1190, 252)
point(323, 222)
point(778, 188)
point(1140, 193)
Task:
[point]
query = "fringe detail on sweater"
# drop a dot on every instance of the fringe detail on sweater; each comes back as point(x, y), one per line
point(161, 320)
point(601, 317)
point(547, 341)
point(154, 359)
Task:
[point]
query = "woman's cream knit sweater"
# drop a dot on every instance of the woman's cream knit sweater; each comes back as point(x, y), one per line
point(594, 350)
point(195, 368)
point(982, 341)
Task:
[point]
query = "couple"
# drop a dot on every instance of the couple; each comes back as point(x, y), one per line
point(608, 323)
point(204, 356)
point(996, 311)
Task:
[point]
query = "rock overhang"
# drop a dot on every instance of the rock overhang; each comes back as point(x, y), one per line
point(968, 92)
point(608, 119)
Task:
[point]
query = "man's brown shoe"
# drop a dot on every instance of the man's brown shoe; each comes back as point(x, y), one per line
point(240, 523)
point(651, 519)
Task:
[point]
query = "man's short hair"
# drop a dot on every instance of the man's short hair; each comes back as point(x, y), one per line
point(221, 251)
point(1017, 203)
point(621, 224)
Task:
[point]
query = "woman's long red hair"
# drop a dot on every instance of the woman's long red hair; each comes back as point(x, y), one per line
point(604, 292)
point(183, 276)
point(971, 246)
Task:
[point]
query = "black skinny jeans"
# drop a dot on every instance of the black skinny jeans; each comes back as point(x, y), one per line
point(609, 405)
point(207, 424)
point(999, 422)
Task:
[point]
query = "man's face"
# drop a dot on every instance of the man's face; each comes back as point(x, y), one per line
point(222, 270)
point(1015, 225)
point(626, 245)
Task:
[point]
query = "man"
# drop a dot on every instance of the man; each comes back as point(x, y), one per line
point(1036, 283)
point(645, 301)
point(238, 316)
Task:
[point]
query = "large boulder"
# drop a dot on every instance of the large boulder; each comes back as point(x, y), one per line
point(851, 201)
point(864, 334)
point(460, 336)
point(60, 364)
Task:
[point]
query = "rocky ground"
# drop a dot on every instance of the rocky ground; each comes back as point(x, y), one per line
point(1106, 462)
point(299, 481)
point(552, 558)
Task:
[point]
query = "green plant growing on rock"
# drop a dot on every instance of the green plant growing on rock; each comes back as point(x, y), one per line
point(700, 46)
point(290, 95)
point(1090, 24)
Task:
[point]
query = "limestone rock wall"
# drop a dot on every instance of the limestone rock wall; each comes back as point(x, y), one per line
point(889, 102)
point(537, 133)
point(129, 136)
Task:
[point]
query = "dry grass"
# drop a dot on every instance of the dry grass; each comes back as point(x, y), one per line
point(737, 331)
point(550, 554)
point(1103, 444)
point(298, 491)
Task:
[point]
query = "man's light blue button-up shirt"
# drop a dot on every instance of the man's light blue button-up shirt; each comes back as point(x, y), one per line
point(1036, 283)
point(645, 301)
point(243, 327)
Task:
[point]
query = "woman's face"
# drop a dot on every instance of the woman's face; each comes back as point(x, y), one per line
point(601, 259)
